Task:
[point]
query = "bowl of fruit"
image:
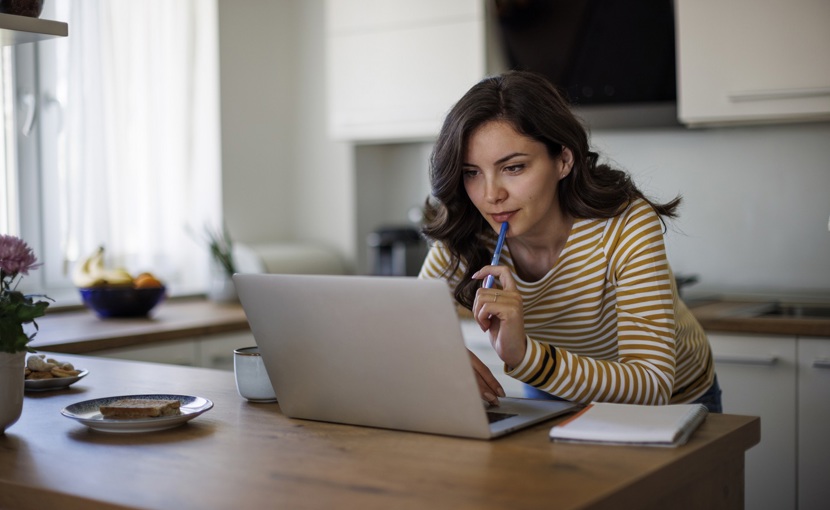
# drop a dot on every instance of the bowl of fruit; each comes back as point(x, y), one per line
point(114, 292)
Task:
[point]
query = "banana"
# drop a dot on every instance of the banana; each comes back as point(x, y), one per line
point(117, 276)
point(92, 272)
point(84, 270)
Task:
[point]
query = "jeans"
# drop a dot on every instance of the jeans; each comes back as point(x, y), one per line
point(711, 399)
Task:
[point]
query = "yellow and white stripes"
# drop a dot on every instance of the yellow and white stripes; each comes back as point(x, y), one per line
point(605, 324)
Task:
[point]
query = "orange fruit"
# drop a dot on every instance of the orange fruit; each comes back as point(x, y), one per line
point(147, 281)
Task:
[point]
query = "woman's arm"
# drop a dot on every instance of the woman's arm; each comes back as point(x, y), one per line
point(642, 370)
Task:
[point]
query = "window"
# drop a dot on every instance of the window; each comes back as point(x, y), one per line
point(8, 177)
point(123, 150)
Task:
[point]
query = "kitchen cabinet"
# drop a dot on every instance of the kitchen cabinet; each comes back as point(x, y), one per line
point(744, 62)
point(786, 381)
point(395, 67)
point(178, 352)
point(209, 351)
point(216, 351)
point(22, 29)
point(757, 375)
point(813, 420)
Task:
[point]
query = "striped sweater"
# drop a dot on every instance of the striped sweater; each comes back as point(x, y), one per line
point(606, 323)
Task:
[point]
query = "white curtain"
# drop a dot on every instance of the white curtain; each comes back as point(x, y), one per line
point(139, 147)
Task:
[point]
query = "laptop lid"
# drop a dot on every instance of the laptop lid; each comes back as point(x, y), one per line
point(375, 351)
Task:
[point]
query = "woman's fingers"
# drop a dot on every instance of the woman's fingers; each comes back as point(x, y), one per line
point(488, 385)
point(500, 273)
point(490, 304)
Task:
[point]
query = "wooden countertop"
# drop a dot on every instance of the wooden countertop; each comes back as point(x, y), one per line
point(81, 332)
point(243, 455)
point(731, 317)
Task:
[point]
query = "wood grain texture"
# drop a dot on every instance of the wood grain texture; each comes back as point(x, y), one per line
point(249, 455)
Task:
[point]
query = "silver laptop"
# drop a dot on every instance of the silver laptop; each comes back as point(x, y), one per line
point(375, 351)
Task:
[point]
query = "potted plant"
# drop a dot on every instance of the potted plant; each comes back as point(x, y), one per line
point(16, 310)
point(223, 266)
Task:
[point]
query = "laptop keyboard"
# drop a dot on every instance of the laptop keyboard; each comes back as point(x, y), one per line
point(494, 417)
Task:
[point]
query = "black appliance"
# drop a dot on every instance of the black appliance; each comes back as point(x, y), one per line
point(396, 251)
point(598, 52)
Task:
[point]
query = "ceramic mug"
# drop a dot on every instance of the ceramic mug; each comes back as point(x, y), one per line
point(252, 381)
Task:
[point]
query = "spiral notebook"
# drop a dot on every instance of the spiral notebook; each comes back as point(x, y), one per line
point(603, 422)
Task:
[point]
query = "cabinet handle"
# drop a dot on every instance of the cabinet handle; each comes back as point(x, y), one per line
point(746, 360)
point(821, 363)
point(765, 95)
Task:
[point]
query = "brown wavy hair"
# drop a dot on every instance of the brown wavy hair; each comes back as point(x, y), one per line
point(535, 108)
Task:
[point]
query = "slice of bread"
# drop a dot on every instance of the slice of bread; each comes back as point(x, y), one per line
point(140, 408)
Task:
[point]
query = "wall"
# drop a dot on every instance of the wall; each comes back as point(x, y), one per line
point(757, 199)
point(283, 180)
point(756, 202)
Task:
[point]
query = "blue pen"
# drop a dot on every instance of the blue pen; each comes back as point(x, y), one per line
point(490, 280)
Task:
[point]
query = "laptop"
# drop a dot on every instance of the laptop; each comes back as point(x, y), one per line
point(375, 351)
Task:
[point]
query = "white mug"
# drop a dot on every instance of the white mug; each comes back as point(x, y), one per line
point(252, 381)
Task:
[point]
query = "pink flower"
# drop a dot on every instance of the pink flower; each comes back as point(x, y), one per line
point(15, 256)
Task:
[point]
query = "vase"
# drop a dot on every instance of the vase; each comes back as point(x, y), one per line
point(11, 388)
point(222, 289)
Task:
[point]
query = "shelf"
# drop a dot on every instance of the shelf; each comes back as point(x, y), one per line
point(22, 29)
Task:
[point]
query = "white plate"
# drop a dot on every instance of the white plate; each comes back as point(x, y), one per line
point(87, 413)
point(55, 383)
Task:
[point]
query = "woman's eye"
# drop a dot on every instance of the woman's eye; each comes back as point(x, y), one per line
point(467, 174)
point(514, 168)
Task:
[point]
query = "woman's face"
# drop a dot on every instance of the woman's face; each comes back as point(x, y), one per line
point(511, 177)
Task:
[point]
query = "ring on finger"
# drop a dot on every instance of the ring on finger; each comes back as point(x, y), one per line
point(496, 297)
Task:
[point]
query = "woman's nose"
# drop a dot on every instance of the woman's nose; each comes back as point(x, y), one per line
point(494, 191)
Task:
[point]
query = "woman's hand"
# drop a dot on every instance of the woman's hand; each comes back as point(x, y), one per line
point(500, 313)
point(488, 385)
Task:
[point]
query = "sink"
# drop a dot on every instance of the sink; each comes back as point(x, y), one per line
point(787, 311)
point(797, 311)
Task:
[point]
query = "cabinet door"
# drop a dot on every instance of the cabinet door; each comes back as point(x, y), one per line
point(393, 72)
point(813, 420)
point(216, 351)
point(743, 61)
point(758, 377)
point(181, 352)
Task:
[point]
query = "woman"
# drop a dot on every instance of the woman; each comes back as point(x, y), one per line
point(586, 307)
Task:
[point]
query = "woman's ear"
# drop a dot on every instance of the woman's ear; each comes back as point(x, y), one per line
point(566, 162)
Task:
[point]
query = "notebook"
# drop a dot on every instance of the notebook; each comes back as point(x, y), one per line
point(603, 422)
point(375, 351)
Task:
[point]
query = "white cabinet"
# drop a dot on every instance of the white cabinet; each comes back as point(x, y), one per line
point(757, 375)
point(216, 351)
point(785, 381)
point(813, 420)
point(177, 352)
point(395, 67)
point(209, 351)
point(743, 61)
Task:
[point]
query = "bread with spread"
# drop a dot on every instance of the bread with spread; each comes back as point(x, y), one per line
point(132, 408)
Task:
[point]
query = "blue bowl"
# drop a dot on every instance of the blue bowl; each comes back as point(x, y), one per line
point(122, 301)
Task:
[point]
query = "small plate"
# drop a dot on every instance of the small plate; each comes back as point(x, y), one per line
point(56, 383)
point(87, 413)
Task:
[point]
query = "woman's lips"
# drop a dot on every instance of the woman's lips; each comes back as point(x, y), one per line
point(502, 217)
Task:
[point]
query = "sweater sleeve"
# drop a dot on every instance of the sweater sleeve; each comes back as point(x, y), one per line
point(437, 266)
point(644, 368)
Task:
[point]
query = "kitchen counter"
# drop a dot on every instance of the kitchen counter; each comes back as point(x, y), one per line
point(243, 455)
point(740, 316)
point(81, 332)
